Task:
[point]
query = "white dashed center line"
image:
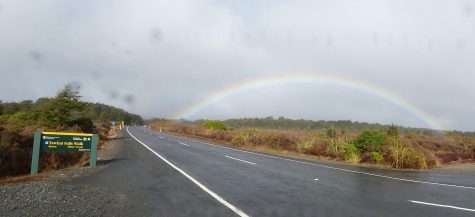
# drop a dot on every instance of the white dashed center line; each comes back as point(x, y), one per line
point(184, 144)
point(441, 205)
point(241, 160)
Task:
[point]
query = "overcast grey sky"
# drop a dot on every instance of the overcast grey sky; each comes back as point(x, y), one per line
point(158, 58)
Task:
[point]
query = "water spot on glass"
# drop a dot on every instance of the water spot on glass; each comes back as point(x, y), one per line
point(113, 94)
point(129, 99)
point(35, 55)
point(156, 35)
point(461, 43)
point(329, 40)
point(314, 39)
point(375, 40)
point(96, 74)
point(468, 10)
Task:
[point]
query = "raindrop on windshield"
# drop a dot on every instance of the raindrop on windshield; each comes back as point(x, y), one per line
point(156, 35)
point(35, 55)
point(129, 99)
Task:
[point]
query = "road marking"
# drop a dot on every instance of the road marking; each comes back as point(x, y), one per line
point(330, 167)
point(316, 179)
point(241, 160)
point(204, 188)
point(441, 205)
point(184, 144)
point(161, 137)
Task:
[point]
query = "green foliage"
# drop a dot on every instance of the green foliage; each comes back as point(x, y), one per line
point(376, 157)
point(337, 148)
point(240, 139)
point(416, 160)
point(352, 154)
point(64, 107)
point(406, 156)
point(392, 131)
point(18, 120)
point(104, 116)
point(371, 138)
point(21, 118)
point(331, 133)
point(10, 108)
point(399, 152)
point(85, 124)
point(285, 123)
point(214, 124)
point(304, 144)
point(343, 126)
point(99, 111)
point(4, 118)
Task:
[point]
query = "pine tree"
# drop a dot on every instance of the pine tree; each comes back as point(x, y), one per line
point(64, 107)
point(392, 131)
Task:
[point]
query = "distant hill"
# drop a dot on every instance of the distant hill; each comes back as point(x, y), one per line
point(285, 123)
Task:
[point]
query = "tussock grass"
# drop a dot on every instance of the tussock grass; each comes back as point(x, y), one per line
point(405, 151)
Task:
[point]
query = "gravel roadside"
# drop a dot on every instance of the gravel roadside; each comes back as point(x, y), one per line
point(56, 195)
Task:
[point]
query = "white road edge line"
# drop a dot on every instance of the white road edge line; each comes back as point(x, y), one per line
point(330, 167)
point(241, 160)
point(441, 205)
point(181, 143)
point(204, 188)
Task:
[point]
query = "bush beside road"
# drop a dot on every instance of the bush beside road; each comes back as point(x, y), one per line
point(384, 147)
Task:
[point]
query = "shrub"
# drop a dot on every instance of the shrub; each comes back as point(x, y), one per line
point(398, 152)
point(405, 156)
point(85, 124)
point(370, 138)
point(4, 118)
point(376, 157)
point(331, 133)
point(352, 154)
point(20, 118)
point(319, 148)
point(239, 139)
point(337, 148)
point(278, 141)
point(415, 160)
point(392, 131)
point(304, 144)
point(214, 124)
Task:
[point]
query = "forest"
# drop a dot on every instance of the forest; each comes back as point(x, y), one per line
point(64, 112)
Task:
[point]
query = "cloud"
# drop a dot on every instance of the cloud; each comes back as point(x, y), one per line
point(159, 57)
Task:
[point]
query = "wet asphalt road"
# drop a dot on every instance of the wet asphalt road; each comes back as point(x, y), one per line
point(263, 185)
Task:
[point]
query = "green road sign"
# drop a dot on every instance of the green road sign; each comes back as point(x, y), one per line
point(63, 142)
point(66, 142)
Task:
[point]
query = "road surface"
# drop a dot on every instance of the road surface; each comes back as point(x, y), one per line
point(165, 175)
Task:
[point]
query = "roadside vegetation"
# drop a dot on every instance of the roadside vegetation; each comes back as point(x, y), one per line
point(65, 112)
point(352, 142)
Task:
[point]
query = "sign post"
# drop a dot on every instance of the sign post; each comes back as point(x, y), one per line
point(63, 142)
point(93, 155)
point(35, 156)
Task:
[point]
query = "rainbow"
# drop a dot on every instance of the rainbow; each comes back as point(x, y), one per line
point(302, 79)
